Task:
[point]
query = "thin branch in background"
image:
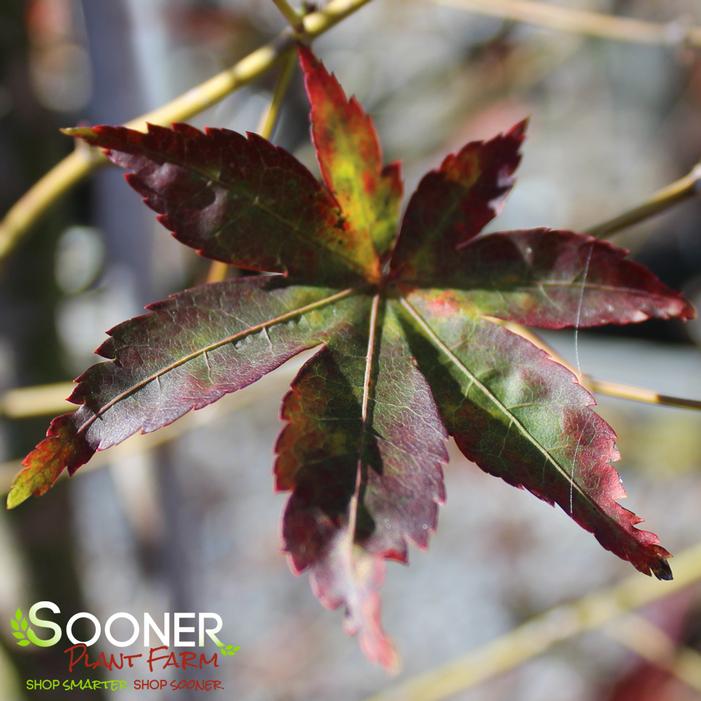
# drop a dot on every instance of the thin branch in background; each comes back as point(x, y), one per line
point(610, 389)
point(219, 270)
point(39, 400)
point(47, 190)
point(638, 394)
point(683, 189)
point(272, 113)
point(545, 631)
point(79, 164)
point(583, 22)
point(293, 18)
point(655, 646)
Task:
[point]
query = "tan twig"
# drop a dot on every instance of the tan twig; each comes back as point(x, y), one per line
point(82, 162)
point(290, 14)
point(584, 23)
point(543, 632)
point(678, 191)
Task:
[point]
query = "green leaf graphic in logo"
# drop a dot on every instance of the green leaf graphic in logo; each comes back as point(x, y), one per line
point(20, 629)
point(228, 650)
point(24, 634)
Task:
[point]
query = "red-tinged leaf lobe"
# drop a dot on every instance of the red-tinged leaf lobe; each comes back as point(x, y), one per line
point(186, 353)
point(61, 448)
point(350, 157)
point(524, 418)
point(240, 200)
point(454, 203)
point(555, 279)
point(362, 455)
point(348, 576)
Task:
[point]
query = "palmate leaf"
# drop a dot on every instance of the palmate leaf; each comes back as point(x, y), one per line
point(409, 348)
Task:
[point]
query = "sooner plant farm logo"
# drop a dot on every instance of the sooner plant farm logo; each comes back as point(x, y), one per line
point(165, 645)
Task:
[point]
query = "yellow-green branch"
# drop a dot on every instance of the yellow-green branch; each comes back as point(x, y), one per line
point(272, 112)
point(75, 167)
point(39, 400)
point(638, 394)
point(545, 631)
point(611, 389)
point(290, 14)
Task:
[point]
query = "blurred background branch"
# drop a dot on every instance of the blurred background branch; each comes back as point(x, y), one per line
point(22, 215)
point(663, 199)
point(290, 14)
point(544, 631)
point(598, 25)
point(649, 642)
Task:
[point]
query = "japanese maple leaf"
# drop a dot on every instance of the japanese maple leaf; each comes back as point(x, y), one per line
point(406, 322)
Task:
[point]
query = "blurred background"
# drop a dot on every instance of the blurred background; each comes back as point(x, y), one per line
point(187, 520)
